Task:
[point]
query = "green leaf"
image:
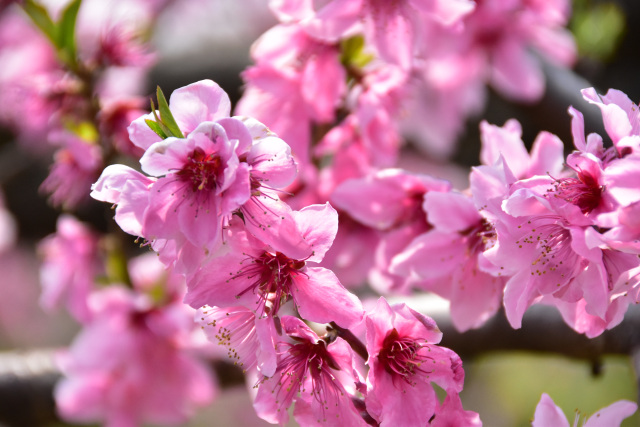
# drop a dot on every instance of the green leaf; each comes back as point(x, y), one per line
point(165, 130)
point(156, 128)
point(165, 115)
point(67, 30)
point(41, 18)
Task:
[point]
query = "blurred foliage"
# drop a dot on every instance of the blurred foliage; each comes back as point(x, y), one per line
point(598, 28)
point(505, 388)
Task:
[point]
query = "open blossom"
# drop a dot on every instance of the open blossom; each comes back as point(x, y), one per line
point(503, 32)
point(561, 258)
point(449, 259)
point(255, 275)
point(130, 365)
point(403, 360)
point(606, 179)
point(389, 201)
point(549, 414)
point(223, 165)
point(314, 374)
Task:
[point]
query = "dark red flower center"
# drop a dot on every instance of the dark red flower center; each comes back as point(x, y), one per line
point(479, 237)
point(201, 170)
point(582, 191)
point(402, 358)
point(272, 278)
point(308, 361)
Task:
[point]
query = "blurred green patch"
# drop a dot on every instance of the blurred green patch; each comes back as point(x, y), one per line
point(598, 28)
point(504, 388)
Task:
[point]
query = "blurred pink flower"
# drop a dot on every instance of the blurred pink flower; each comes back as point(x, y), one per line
point(69, 267)
point(129, 365)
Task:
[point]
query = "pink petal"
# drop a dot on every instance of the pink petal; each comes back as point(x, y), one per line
point(220, 282)
point(321, 298)
point(431, 255)
point(323, 94)
point(577, 129)
point(319, 226)
point(450, 212)
point(141, 134)
point(612, 415)
point(272, 163)
point(393, 32)
point(199, 102)
point(504, 141)
point(236, 130)
point(447, 12)
point(271, 220)
point(334, 19)
point(547, 155)
point(515, 73)
point(548, 414)
point(616, 121)
point(166, 156)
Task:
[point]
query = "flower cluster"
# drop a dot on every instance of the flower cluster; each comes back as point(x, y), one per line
point(571, 231)
point(264, 221)
point(210, 207)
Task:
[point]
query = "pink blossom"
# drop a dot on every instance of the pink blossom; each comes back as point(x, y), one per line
point(549, 414)
point(546, 157)
point(29, 65)
point(75, 167)
point(393, 27)
point(503, 30)
point(223, 165)
point(110, 33)
point(69, 268)
point(128, 366)
point(403, 361)
point(389, 201)
point(283, 88)
point(255, 275)
point(314, 374)
point(449, 259)
point(114, 118)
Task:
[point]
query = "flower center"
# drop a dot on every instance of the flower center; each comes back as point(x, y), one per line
point(201, 170)
point(401, 357)
point(582, 191)
point(273, 276)
point(555, 258)
point(307, 361)
point(479, 237)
